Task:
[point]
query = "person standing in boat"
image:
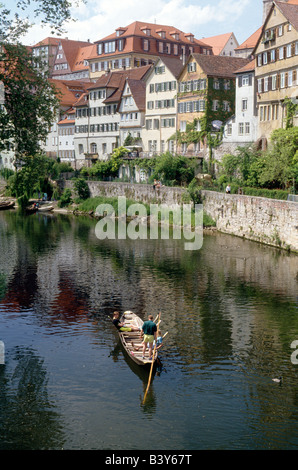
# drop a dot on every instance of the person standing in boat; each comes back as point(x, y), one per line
point(149, 330)
point(121, 326)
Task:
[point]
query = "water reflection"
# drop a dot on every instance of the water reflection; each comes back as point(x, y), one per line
point(28, 418)
point(230, 309)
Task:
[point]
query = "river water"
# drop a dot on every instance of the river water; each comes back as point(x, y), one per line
point(231, 313)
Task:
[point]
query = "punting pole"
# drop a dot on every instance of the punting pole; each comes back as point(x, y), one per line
point(151, 368)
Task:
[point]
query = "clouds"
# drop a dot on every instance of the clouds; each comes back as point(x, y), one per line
point(98, 18)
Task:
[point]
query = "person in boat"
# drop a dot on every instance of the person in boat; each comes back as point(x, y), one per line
point(158, 342)
point(121, 326)
point(149, 330)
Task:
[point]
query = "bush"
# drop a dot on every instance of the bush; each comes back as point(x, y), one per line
point(81, 187)
point(65, 199)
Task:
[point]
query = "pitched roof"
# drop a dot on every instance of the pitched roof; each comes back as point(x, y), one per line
point(138, 73)
point(68, 90)
point(48, 42)
point(83, 54)
point(174, 65)
point(250, 42)
point(118, 77)
point(218, 65)
point(290, 12)
point(218, 42)
point(71, 48)
point(138, 28)
point(250, 67)
point(138, 91)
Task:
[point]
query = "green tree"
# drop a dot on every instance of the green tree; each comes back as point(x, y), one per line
point(15, 22)
point(30, 103)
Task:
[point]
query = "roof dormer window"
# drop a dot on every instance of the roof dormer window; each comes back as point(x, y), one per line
point(190, 37)
point(120, 31)
point(161, 33)
point(146, 30)
point(175, 35)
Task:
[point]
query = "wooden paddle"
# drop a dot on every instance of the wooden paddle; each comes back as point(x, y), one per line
point(151, 368)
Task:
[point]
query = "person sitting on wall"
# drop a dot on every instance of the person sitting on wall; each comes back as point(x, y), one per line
point(228, 189)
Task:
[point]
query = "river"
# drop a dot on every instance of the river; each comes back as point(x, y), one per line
point(230, 309)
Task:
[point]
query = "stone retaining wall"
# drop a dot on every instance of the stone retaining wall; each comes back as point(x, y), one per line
point(270, 221)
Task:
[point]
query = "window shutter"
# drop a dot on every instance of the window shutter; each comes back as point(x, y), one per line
point(278, 81)
point(286, 79)
point(249, 79)
point(240, 81)
point(269, 83)
point(294, 75)
point(277, 53)
point(292, 49)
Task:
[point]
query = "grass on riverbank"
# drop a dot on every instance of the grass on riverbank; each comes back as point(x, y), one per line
point(90, 205)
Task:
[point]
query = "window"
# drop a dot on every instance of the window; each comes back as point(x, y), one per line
point(241, 128)
point(289, 50)
point(272, 55)
point(281, 53)
point(192, 67)
point(93, 148)
point(146, 45)
point(290, 78)
point(245, 80)
point(110, 47)
point(247, 128)
point(260, 88)
point(273, 82)
point(182, 126)
point(259, 60)
point(244, 105)
point(282, 80)
point(296, 48)
point(264, 58)
point(266, 82)
point(280, 30)
point(229, 129)
point(120, 45)
point(216, 84)
point(215, 105)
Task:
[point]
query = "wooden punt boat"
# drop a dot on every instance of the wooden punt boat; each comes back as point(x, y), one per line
point(132, 339)
point(45, 208)
point(6, 205)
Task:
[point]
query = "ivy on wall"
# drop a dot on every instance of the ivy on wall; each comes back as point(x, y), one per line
point(191, 134)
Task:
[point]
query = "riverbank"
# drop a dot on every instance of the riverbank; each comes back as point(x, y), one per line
point(271, 222)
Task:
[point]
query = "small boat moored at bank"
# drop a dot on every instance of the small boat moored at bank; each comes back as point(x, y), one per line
point(4, 205)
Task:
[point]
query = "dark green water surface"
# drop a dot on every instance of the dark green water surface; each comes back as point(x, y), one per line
point(231, 312)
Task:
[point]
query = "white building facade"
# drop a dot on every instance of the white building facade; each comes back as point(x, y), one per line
point(161, 107)
point(242, 128)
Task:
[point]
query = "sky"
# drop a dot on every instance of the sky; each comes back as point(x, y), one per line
point(96, 19)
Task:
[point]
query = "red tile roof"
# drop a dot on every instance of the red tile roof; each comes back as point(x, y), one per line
point(219, 66)
point(251, 41)
point(68, 90)
point(217, 42)
point(136, 32)
point(71, 50)
point(250, 67)
point(48, 42)
point(290, 12)
point(137, 29)
point(138, 91)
